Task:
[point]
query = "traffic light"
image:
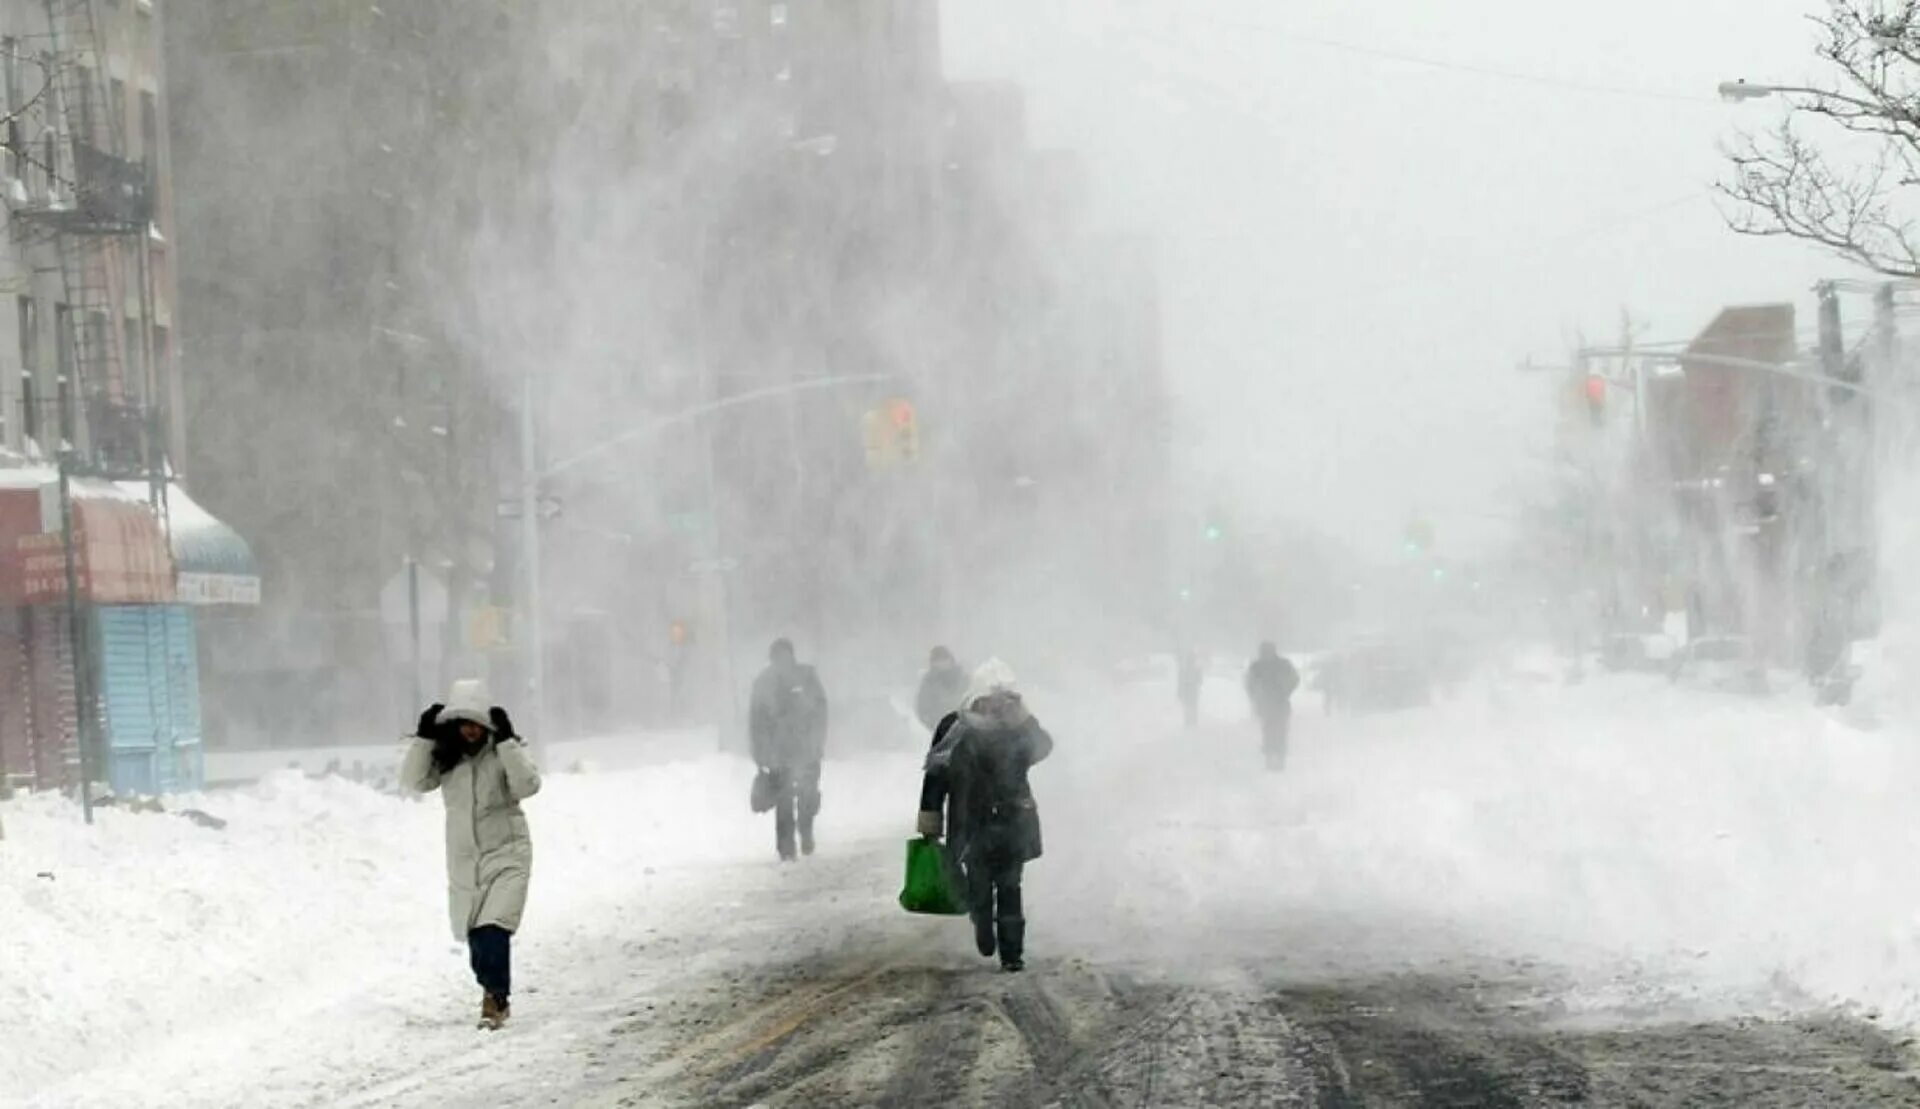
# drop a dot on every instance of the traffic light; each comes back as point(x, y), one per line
point(1594, 390)
point(1214, 532)
point(892, 434)
point(677, 633)
point(906, 430)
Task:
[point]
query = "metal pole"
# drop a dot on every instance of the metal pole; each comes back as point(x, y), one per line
point(75, 639)
point(721, 607)
point(413, 623)
point(530, 549)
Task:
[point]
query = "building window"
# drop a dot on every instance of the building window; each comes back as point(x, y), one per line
point(95, 352)
point(63, 370)
point(150, 138)
point(82, 107)
point(29, 326)
point(117, 116)
point(135, 359)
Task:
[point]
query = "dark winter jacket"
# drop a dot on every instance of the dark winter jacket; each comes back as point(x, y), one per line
point(787, 720)
point(978, 770)
point(1271, 681)
point(940, 693)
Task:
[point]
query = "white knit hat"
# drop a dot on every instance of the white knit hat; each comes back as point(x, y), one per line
point(992, 676)
point(470, 701)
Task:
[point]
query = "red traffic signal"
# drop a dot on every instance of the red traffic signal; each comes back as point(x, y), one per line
point(902, 413)
point(1594, 389)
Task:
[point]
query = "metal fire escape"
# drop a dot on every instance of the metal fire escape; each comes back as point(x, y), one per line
point(91, 212)
point(83, 209)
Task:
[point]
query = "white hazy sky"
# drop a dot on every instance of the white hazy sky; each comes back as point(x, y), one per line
point(1357, 250)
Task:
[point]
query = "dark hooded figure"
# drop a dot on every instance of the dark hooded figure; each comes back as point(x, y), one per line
point(787, 730)
point(977, 773)
point(941, 688)
point(1271, 681)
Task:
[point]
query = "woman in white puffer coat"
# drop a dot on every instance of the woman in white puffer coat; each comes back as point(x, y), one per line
point(468, 751)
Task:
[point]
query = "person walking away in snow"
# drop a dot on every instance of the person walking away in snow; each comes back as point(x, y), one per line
point(1192, 670)
point(467, 749)
point(977, 772)
point(1271, 681)
point(787, 731)
point(941, 688)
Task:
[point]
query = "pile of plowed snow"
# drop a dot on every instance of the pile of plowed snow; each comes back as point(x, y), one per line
point(148, 930)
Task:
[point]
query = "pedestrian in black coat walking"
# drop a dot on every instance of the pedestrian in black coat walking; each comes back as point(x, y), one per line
point(1271, 681)
point(977, 773)
point(787, 731)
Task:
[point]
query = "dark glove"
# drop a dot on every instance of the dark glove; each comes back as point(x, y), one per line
point(502, 726)
point(429, 721)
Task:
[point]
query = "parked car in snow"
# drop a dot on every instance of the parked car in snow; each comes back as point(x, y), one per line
point(1648, 651)
point(1372, 677)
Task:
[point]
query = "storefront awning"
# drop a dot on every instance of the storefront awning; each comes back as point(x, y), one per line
point(213, 564)
point(119, 555)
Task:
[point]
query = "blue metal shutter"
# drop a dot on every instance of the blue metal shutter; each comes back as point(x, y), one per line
point(132, 644)
point(183, 697)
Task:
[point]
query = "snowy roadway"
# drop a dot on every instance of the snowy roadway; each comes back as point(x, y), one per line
point(1530, 895)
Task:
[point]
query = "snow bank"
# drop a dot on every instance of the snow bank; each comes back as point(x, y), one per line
point(150, 936)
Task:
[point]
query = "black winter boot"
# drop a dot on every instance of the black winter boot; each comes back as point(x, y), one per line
point(1013, 944)
point(983, 934)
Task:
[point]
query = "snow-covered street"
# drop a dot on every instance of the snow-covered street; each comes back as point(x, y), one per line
point(1586, 854)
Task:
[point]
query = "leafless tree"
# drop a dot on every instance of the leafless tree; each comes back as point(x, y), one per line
point(1854, 195)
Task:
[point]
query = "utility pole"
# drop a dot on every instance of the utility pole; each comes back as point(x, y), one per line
point(75, 638)
point(530, 554)
point(413, 623)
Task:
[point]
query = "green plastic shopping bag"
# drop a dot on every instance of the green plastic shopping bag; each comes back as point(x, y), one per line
point(930, 884)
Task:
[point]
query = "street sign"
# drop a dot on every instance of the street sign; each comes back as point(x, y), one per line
point(713, 566)
point(549, 508)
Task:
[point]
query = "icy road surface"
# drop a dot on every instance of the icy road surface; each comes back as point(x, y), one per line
point(1618, 893)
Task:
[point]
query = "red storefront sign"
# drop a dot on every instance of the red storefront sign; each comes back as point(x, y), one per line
point(120, 553)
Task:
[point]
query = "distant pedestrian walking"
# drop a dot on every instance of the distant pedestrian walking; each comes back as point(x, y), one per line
point(1192, 673)
point(1271, 681)
point(787, 730)
point(977, 773)
point(468, 751)
point(941, 688)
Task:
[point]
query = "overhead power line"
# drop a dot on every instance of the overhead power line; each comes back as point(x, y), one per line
point(1446, 65)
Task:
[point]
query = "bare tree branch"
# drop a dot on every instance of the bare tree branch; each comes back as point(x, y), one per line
point(1783, 185)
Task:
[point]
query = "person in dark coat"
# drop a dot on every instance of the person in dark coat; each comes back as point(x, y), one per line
point(1192, 671)
point(1271, 681)
point(977, 772)
point(941, 688)
point(787, 731)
